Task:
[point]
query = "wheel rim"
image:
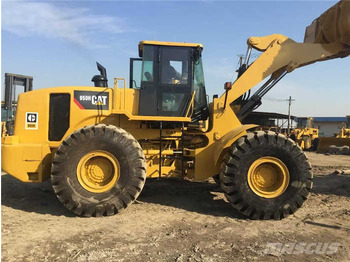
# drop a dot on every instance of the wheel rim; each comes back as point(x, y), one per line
point(268, 177)
point(98, 171)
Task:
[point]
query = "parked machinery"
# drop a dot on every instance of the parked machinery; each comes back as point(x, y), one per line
point(305, 134)
point(343, 133)
point(14, 85)
point(98, 144)
point(339, 140)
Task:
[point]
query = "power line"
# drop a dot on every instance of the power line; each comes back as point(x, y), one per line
point(289, 100)
point(276, 99)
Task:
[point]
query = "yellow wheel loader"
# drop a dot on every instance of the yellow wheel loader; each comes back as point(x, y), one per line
point(343, 133)
point(99, 144)
point(339, 140)
point(305, 135)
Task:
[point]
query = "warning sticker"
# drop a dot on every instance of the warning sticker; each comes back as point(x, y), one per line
point(31, 120)
point(91, 100)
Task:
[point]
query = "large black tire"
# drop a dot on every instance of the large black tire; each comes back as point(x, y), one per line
point(234, 175)
point(293, 137)
point(315, 143)
point(118, 143)
point(217, 179)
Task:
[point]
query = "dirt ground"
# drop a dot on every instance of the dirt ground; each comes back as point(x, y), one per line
point(176, 221)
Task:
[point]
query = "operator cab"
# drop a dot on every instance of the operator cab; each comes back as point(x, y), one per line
point(305, 122)
point(169, 75)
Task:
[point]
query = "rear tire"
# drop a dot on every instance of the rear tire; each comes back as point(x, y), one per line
point(98, 171)
point(243, 154)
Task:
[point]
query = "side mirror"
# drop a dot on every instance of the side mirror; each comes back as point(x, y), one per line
point(227, 87)
point(197, 54)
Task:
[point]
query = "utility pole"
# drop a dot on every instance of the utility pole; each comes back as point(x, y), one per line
point(289, 111)
point(289, 100)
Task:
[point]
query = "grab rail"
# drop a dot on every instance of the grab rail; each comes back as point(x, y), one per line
point(115, 92)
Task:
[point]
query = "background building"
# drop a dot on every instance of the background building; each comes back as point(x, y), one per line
point(328, 126)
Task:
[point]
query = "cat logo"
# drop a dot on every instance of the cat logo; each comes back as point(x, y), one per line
point(31, 121)
point(91, 100)
point(99, 100)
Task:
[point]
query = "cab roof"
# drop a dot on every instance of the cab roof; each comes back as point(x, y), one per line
point(183, 44)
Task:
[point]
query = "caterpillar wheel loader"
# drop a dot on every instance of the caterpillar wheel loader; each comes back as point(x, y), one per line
point(343, 133)
point(98, 144)
point(339, 139)
point(305, 134)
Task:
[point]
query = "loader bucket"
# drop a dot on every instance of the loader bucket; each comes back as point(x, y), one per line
point(332, 26)
point(325, 142)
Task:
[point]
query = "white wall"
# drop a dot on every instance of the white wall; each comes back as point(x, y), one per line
point(328, 129)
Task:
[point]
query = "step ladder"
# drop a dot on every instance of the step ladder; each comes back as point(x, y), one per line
point(161, 158)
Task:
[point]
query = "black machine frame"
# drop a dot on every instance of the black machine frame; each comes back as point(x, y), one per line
point(12, 81)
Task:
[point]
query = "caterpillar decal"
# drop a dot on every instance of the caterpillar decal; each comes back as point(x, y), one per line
point(31, 120)
point(91, 100)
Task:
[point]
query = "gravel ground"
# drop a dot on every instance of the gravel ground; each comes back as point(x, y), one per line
point(176, 220)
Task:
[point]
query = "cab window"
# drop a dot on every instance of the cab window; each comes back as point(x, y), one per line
point(147, 64)
point(174, 66)
point(135, 72)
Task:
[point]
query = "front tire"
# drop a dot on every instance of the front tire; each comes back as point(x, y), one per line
point(266, 176)
point(216, 179)
point(315, 143)
point(307, 142)
point(98, 171)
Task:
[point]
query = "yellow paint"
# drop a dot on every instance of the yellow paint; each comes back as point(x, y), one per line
point(222, 121)
point(24, 160)
point(98, 171)
point(170, 168)
point(343, 133)
point(3, 129)
point(280, 53)
point(191, 105)
point(340, 139)
point(268, 177)
point(301, 132)
point(10, 140)
point(325, 142)
point(162, 43)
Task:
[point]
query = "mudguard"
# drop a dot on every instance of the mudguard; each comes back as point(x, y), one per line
point(227, 140)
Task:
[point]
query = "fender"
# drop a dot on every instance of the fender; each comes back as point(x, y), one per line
point(227, 140)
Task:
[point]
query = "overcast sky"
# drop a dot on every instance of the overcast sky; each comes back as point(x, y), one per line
point(58, 42)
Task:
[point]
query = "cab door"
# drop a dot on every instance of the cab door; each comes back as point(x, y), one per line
point(175, 76)
point(148, 102)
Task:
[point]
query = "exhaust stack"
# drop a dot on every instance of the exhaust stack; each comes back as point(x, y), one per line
point(100, 80)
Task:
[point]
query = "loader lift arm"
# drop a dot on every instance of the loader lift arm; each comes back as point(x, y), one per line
point(327, 37)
